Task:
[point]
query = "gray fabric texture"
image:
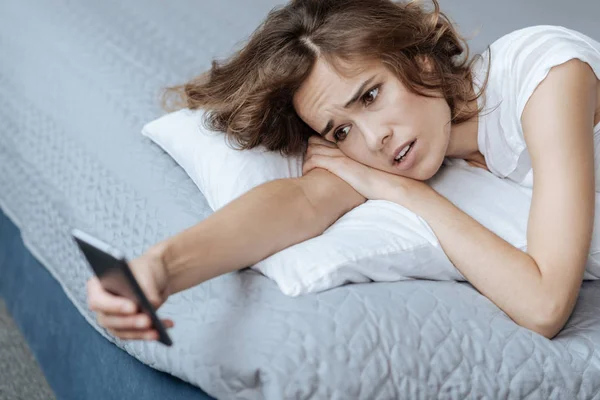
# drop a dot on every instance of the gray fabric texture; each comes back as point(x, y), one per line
point(78, 79)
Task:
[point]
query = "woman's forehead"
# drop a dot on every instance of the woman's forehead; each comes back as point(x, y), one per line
point(341, 80)
point(348, 69)
point(327, 91)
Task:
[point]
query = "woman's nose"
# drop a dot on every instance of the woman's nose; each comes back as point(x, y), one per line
point(375, 136)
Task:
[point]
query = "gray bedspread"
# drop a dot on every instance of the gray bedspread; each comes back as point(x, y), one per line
point(78, 79)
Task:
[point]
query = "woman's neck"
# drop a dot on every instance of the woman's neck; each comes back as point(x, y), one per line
point(463, 136)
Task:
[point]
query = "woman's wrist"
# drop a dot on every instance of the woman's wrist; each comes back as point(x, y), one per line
point(180, 262)
point(164, 252)
point(407, 192)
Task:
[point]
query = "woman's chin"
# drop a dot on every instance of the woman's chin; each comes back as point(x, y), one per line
point(423, 170)
point(427, 169)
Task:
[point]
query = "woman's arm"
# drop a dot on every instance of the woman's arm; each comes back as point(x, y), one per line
point(259, 223)
point(537, 289)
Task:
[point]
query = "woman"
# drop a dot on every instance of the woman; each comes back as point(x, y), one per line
point(382, 91)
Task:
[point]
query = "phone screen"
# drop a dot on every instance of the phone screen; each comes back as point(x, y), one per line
point(115, 276)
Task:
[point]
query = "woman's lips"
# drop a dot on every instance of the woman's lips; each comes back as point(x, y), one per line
point(409, 158)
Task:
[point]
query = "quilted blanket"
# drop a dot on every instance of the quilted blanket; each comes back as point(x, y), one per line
point(78, 79)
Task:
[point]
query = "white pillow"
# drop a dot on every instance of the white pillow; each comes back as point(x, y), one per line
point(376, 241)
point(220, 172)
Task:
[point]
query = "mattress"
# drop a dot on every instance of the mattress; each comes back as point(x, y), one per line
point(77, 82)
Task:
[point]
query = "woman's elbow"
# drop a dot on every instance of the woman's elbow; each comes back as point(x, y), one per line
point(549, 321)
point(547, 331)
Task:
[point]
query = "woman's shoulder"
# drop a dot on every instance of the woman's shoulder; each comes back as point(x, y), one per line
point(541, 38)
point(521, 50)
point(520, 59)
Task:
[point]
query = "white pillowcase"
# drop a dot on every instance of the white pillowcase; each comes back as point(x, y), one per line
point(376, 241)
point(220, 172)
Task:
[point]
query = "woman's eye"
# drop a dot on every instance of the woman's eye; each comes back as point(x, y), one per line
point(341, 134)
point(370, 96)
point(367, 99)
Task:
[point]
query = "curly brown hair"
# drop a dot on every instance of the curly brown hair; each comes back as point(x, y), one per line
point(249, 95)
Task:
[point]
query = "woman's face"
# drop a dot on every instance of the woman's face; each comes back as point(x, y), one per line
point(384, 119)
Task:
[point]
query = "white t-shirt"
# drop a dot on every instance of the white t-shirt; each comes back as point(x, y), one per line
point(520, 61)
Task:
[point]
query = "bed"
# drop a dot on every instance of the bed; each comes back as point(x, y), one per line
point(77, 82)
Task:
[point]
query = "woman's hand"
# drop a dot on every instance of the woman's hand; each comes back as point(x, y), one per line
point(121, 316)
point(372, 183)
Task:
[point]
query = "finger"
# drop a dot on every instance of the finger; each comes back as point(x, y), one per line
point(139, 321)
point(325, 143)
point(103, 301)
point(143, 334)
point(307, 166)
point(319, 140)
point(149, 334)
point(168, 323)
point(316, 161)
point(325, 151)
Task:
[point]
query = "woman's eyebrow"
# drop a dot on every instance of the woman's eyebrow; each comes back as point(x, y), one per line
point(353, 100)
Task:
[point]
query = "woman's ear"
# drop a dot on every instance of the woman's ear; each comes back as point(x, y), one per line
point(425, 63)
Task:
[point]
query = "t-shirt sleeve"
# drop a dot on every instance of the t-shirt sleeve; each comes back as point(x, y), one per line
point(533, 51)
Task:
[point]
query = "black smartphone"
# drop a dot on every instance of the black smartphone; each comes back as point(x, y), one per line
point(115, 276)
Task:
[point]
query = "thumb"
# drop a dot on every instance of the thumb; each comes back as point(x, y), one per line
point(155, 300)
point(165, 293)
point(158, 297)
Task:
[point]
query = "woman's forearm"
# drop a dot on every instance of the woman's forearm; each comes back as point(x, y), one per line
point(506, 275)
point(259, 223)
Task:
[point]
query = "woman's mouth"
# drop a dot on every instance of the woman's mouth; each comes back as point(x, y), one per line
point(405, 154)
